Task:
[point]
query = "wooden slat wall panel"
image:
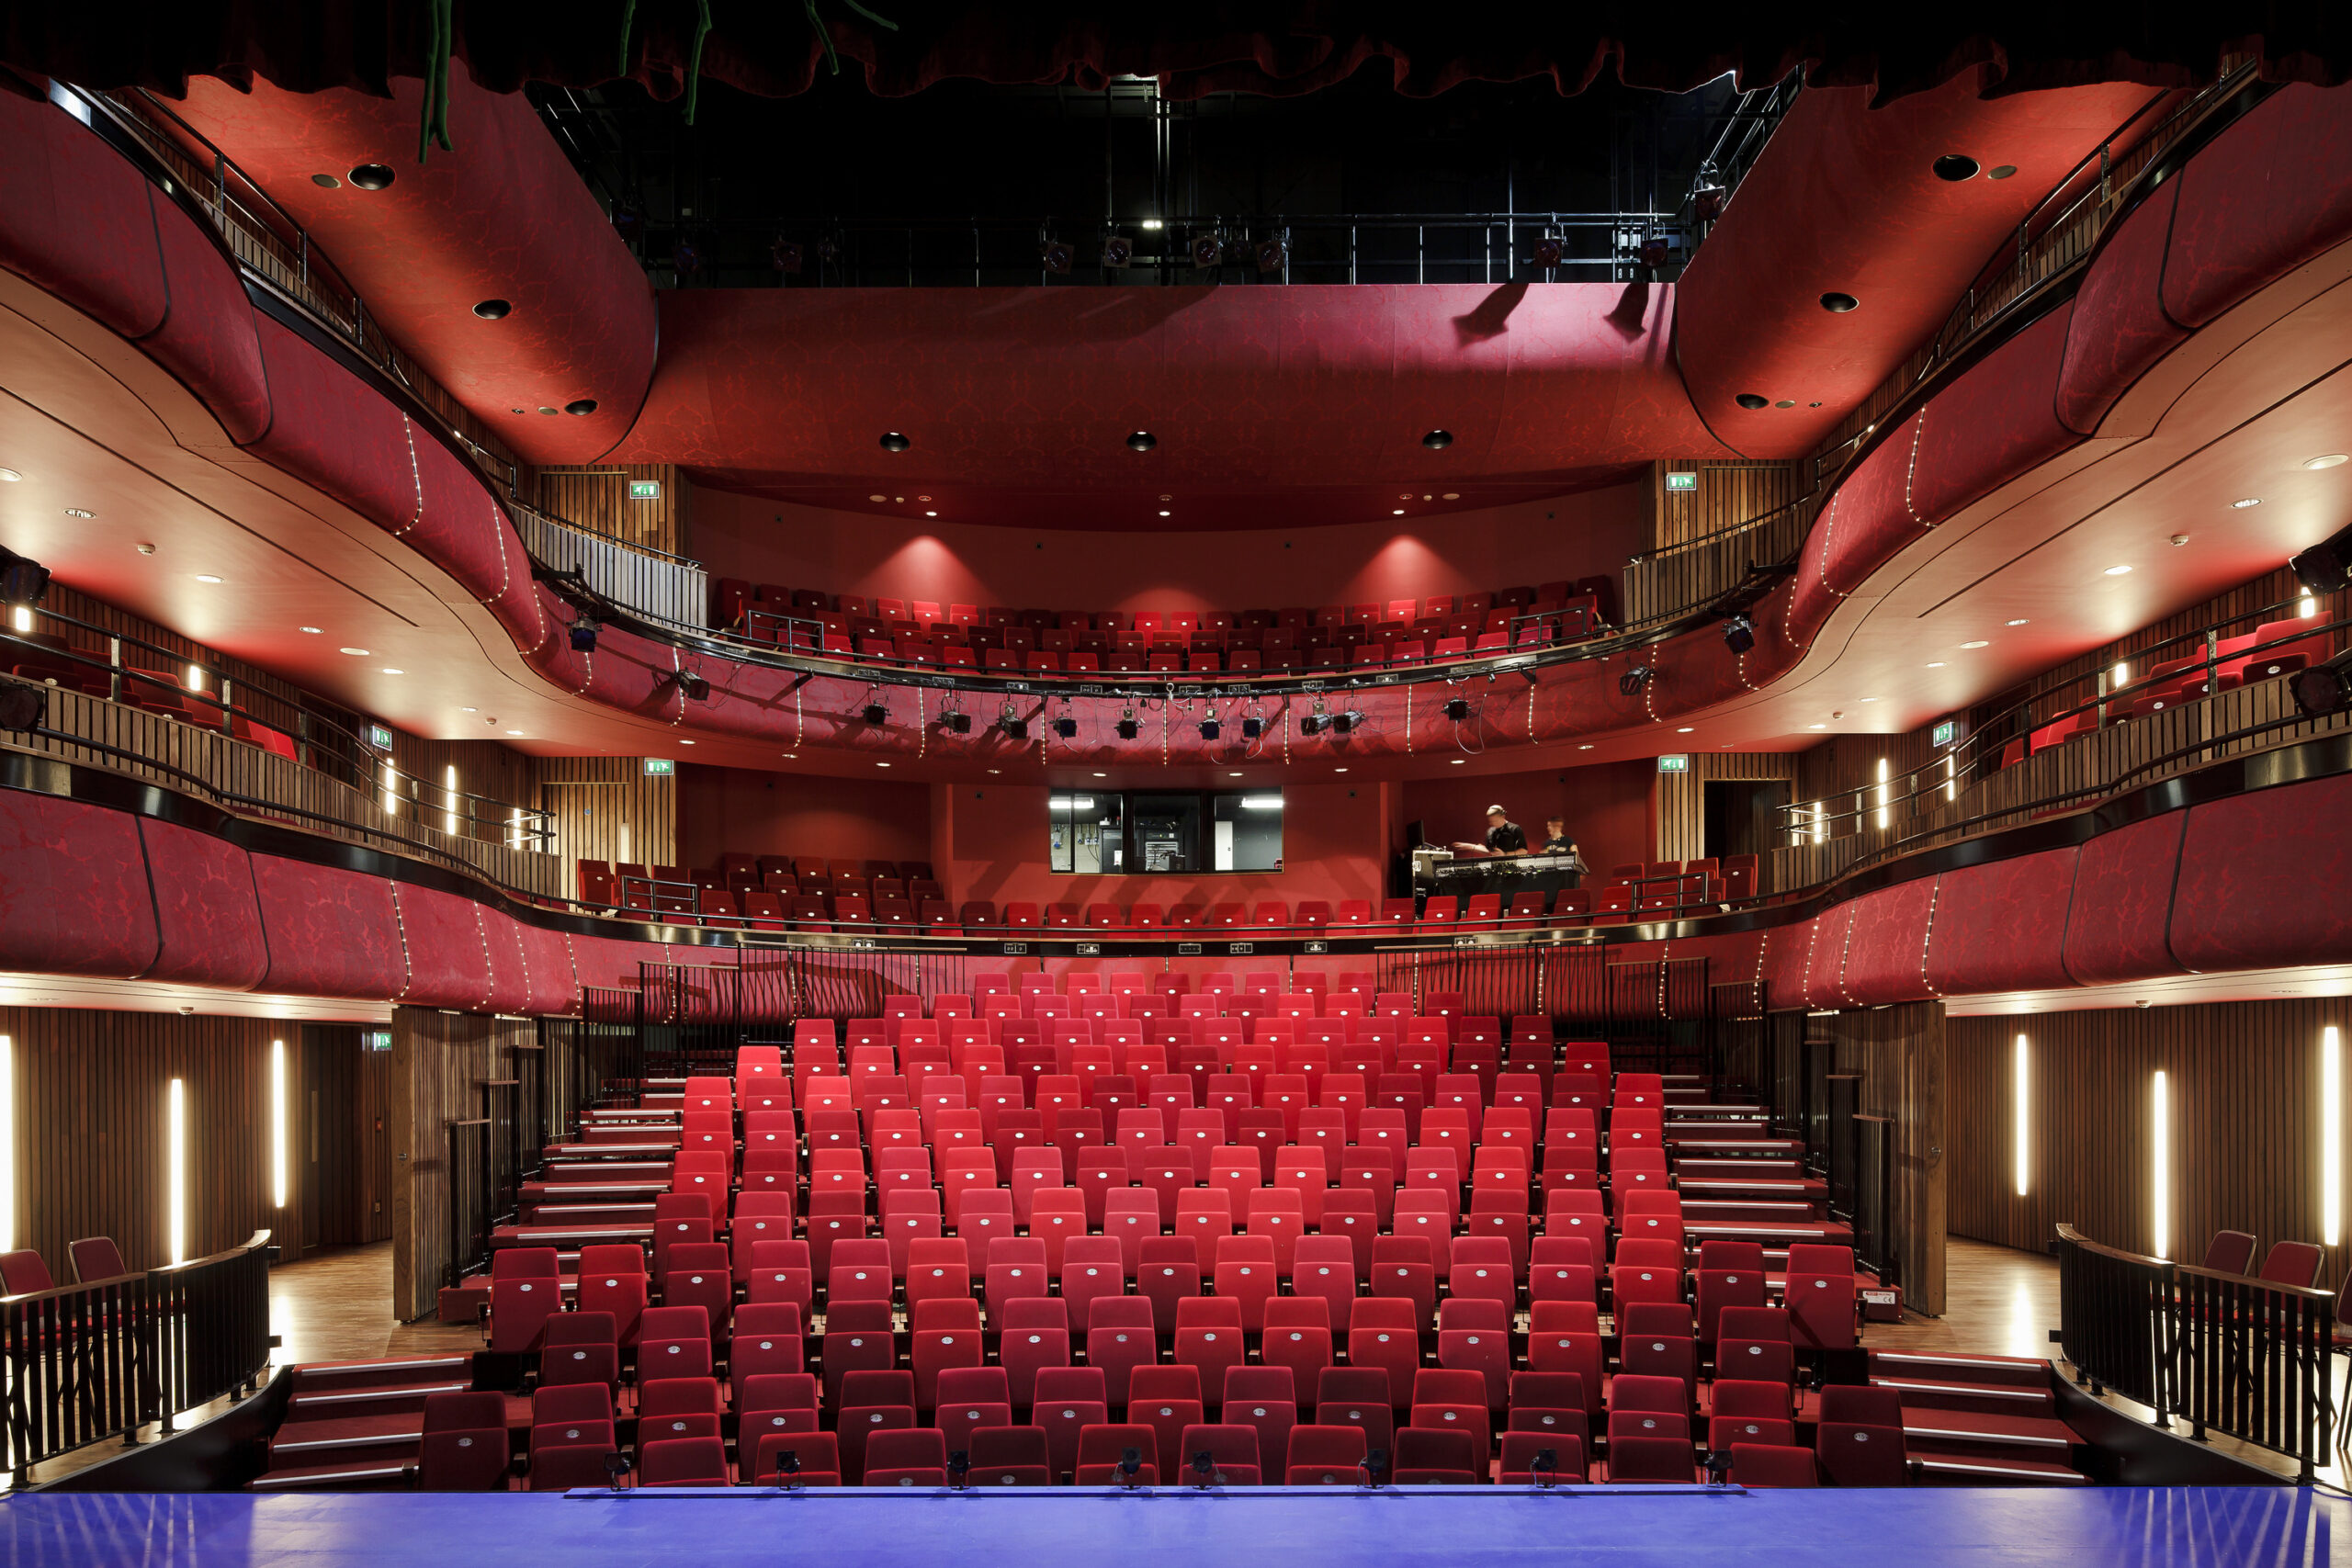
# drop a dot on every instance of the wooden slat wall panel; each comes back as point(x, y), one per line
point(2244, 1089)
point(1729, 493)
point(1900, 1052)
point(437, 1062)
point(606, 809)
point(597, 501)
point(498, 774)
point(345, 1147)
point(1682, 798)
point(93, 1134)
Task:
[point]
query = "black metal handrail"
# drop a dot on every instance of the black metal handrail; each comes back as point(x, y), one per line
point(2244, 1357)
point(105, 1358)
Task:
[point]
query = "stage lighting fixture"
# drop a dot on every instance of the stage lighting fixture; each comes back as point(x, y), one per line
point(1252, 728)
point(1142, 441)
point(958, 721)
point(1211, 729)
point(1632, 681)
point(1208, 250)
point(1127, 731)
point(1438, 440)
point(627, 222)
point(1457, 708)
point(1345, 723)
point(1707, 199)
point(1053, 255)
point(2325, 567)
point(583, 635)
point(23, 581)
point(1547, 250)
point(1015, 728)
point(1118, 250)
point(698, 690)
point(2321, 690)
point(874, 713)
point(1273, 255)
point(1739, 634)
point(21, 705)
point(894, 442)
point(1315, 723)
point(1065, 727)
point(1655, 253)
point(786, 256)
point(686, 257)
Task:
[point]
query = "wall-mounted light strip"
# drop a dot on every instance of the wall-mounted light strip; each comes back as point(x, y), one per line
point(1821, 822)
point(278, 1123)
point(175, 1171)
point(8, 1144)
point(2160, 1163)
point(2331, 1135)
point(1885, 795)
point(449, 798)
point(392, 791)
point(2021, 1116)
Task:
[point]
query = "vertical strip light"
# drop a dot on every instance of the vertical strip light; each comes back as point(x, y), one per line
point(392, 791)
point(2160, 1162)
point(22, 618)
point(449, 798)
point(2021, 1116)
point(2306, 607)
point(278, 1123)
point(196, 677)
point(8, 1144)
point(1820, 821)
point(2331, 1135)
point(1885, 795)
point(1952, 775)
point(176, 1174)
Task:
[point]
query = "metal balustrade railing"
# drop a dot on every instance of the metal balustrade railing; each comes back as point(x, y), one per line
point(2231, 1354)
point(106, 1358)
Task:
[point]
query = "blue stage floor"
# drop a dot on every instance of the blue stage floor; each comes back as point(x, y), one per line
point(2211, 1528)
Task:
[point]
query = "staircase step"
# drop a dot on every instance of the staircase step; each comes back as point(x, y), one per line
point(1983, 1398)
point(1957, 1470)
point(371, 1439)
point(1967, 1431)
point(334, 1478)
point(320, 1377)
point(2025, 1371)
point(403, 1397)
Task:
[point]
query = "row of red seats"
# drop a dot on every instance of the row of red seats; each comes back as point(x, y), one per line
point(733, 599)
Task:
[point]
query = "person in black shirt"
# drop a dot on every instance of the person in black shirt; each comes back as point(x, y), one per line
point(1504, 837)
point(1557, 842)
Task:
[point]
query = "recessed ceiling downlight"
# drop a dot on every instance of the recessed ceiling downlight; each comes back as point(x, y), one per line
point(1956, 167)
point(1838, 304)
point(372, 176)
point(493, 309)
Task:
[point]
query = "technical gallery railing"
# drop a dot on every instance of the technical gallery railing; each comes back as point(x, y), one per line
point(2228, 1353)
point(106, 1358)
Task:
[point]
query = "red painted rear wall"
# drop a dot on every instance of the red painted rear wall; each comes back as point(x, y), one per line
point(722, 809)
point(1583, 534)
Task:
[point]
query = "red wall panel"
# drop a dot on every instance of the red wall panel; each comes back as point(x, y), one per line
point(208, 338)
point(205, 907)
point(73, 897)
point(2123, 886)
point(547, 957)
point(2262, 878)
point(448, 960)
point(331, 933)
point(2000, 927)
point(1994, 424)
point(328, 430)
point(1886, 957)
point(749, 812)
point(78, 222)
point(2118, 328)
point(1832, 943)
point(2271, 192)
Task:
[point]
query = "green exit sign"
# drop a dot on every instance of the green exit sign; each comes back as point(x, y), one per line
point(645, 489)
point(1944, 734)
point(379, 738)
point(660, 765)
point(1674, 762)
point(375, 1039)
point(1682, 482)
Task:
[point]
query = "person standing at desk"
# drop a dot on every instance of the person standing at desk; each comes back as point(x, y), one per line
point(1504, 837)
point(1557, 842)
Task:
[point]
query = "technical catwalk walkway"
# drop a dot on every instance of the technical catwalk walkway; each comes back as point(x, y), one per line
point(1922, 1528)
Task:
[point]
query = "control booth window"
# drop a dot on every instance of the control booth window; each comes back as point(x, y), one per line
point(1160, 833)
